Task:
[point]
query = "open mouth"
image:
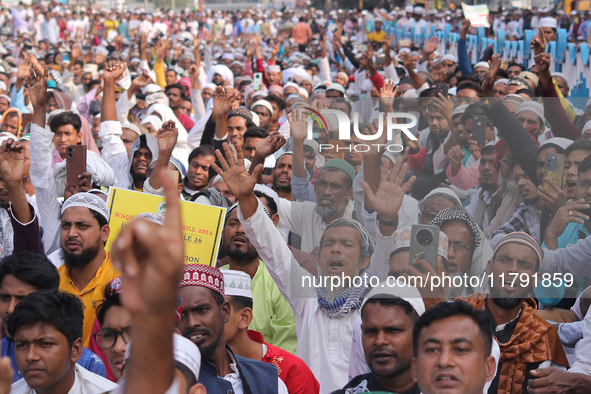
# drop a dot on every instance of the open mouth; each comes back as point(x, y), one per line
point(446, 380)
point(324, 201)
point(570, 184)
point(240, 240)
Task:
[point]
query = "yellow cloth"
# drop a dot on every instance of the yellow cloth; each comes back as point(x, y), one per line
point(568, 108)
point(92, 295)
point(110, 25)
point(377, 37)
point(160, 75)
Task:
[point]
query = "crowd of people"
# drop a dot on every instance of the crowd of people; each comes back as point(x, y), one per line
point(322, 282)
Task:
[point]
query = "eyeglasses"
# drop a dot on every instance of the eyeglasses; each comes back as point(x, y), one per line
point(460, 248)
point(516, 178)
point(583, 183)
point(107, 337)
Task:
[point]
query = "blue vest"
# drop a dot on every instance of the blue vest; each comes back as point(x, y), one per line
point(257, 377)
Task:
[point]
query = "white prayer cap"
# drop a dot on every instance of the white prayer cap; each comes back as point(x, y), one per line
point(408, 8)
point(502, 80)
point(263, 103)
point(260, 93)
point(562, 142)
point(255, 118)
point(87, 200)
point(187, 353)
point(450, 57)
point(586, 127)
point(534, 107)
point(152, 88)
point(303, 92)
point(548, 22)
point(131, 127)
point(210, 85)
point(237, 283)
point(274, 69)
point(336, 86)
point(292, 84)
point(481, 64)
point(227, 56)
point(134, 60)
point(409, 294)
point(418, 10)
point(459, 110)
point(3, 86)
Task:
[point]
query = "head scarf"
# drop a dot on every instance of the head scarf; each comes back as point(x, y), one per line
point(186, 82)
point(20, 118)
point(223, 70)
point(153, 120)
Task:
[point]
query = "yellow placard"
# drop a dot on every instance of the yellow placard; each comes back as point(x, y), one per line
point(202, 224)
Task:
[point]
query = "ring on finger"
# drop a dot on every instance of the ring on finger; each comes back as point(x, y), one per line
point(570, 213)
point(225, 168)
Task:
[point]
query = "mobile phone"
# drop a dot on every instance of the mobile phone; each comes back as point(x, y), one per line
point(424, 241)
point(479, 129)
point(415, 129)
point(257, 81)
point(75, 163)
point(442, 88)
point(553, 170)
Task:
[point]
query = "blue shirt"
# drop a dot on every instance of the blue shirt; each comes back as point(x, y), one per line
point(88, 360)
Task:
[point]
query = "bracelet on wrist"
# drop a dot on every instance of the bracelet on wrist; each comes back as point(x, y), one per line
point(392, 223)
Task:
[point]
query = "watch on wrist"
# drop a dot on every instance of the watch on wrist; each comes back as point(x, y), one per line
point(392, 223)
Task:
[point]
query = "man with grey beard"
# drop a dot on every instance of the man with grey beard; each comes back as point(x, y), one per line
point(331, 200)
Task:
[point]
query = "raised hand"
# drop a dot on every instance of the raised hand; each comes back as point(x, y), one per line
point(489, 81)
point(12, 161)
point(387, 200)
point(298, 125)
point(406, 62)
point(430, 45)
point(142, 80)
point(113, 70)
point(464, 27)
point(387, 94)
point(223, 100)
point(553, 198)
point(569, 213)
point(24, 68)
point(194, 75)
point(270, 145)
point(238, 180)
point(37, 84)
point(84, 185)
point(455, 156)
point(538, 44)
point(160, 49)
point(76, 52)
point(543, 61)
point(387, 43)
point(444, 105)
point(167, 137)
